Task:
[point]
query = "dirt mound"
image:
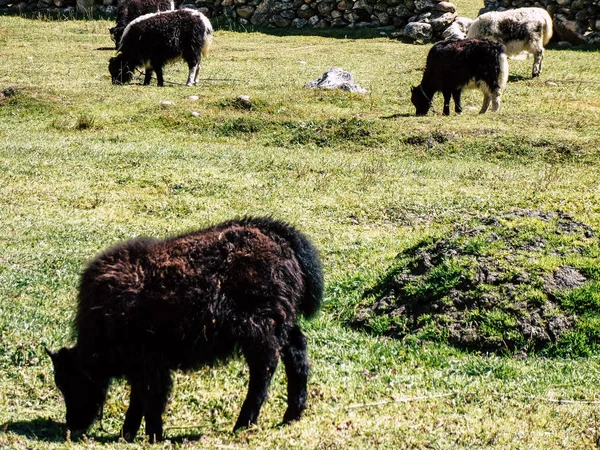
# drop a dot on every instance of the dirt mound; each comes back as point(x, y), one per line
point(527, 280)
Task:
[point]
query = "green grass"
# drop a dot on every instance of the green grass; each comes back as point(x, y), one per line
point(85, 164)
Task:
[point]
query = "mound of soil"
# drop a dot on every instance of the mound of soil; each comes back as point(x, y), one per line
point(526, 280)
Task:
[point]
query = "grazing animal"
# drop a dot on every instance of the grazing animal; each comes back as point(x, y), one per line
point(453, 65)
point(127, 10)
point(154, 39)
point(147, 307)
point(521, 29)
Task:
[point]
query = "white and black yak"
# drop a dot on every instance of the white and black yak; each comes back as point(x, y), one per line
point(520, 30)
point(453, 65)
point(148, 307)
point(128, 10)
point(154, 39)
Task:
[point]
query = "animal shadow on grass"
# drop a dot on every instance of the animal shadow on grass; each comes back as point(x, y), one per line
point(515, 78)
point(47, 430)
point(396, 116)
point(40, 429)
point(574, 48)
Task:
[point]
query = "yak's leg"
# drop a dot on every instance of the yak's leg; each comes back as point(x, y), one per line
point(294, 358)
point(148, 76)
point(159, 75)
point(262, 361)
point(456, 95)
point(447, 96)
point(193, 76)
point(537, 62)
point(157, 388)
point(135, 412)
point(495, 101)
point(194, 66)
point(197, 73)
point(486, 102)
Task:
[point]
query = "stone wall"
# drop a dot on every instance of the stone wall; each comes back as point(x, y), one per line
point(319, 13)
point(422, 20)
point(575, 21)
point(274, 13)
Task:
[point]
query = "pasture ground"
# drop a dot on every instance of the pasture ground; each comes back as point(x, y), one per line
point(84, 164)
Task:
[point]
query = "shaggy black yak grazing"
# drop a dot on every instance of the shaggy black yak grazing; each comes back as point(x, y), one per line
point(152, 40)
point(127, 10)
point(453, 65)
point(147, 307)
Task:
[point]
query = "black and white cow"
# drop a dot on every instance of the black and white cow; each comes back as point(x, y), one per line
point(522, 29)
point(453, 65)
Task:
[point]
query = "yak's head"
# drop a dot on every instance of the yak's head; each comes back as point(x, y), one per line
point(115, 34)
point(420, 100)
point(84, 393)
point(119, 69)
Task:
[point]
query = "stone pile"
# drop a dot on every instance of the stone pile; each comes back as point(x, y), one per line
point(575, 21)
point(432, 18)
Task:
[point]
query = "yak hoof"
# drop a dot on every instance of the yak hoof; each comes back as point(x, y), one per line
point(128, 436)
point(291, 415)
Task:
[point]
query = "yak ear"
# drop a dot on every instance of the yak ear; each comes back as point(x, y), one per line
point(51, 354)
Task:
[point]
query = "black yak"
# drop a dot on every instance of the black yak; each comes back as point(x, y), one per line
point(453, 65)
point(520, 30)
point(147, 307)
point(127, 10)
point(154, 39)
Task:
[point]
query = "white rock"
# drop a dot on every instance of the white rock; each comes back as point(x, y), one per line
point(418, 30)
point(336, 78)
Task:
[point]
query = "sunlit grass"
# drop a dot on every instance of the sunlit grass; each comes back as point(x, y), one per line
point(84, 164)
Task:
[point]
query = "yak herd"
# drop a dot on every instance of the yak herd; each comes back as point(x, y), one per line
point(148, 307)
point(150, 33)
point(480, 61)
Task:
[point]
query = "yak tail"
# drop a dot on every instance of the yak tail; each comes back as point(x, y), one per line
point(503, 72)
point(307, 255)
point(208, 35)
point(310, 262)
point(547, 31)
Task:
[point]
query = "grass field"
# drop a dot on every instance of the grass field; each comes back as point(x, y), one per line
point(85, 164)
